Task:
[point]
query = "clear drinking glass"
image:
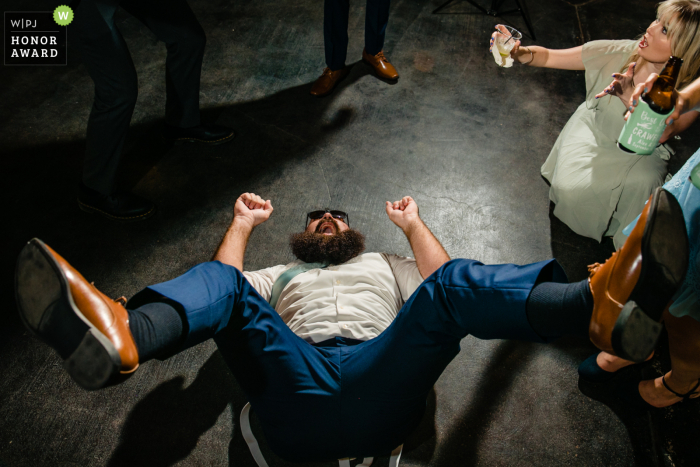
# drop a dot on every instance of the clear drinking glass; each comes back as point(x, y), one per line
point(504, 41)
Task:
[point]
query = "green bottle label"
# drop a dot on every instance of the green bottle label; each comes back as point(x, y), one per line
point(695, 176)
point(643, 129)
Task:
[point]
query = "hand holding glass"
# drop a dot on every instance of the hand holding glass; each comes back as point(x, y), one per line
point(504, 39)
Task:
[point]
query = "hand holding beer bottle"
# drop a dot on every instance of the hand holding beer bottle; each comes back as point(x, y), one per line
point(643, 130)
point(686, 100)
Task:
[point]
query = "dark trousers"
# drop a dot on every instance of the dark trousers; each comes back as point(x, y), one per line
point(335, 29)
point(336, 399)
point(109, 63)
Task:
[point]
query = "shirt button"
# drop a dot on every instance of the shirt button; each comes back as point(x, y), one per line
point(337, 282)
point(340, 307)
point(345, 326)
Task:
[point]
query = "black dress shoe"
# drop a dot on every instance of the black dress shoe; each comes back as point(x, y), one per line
point(121, 206)
point(590, 371)
point(206, 134)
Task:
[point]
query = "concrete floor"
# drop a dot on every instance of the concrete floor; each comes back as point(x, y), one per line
point(462, 136)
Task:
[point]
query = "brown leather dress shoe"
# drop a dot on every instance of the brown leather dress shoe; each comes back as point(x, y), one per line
point(632, 289)
point(381, 65)
point(89, 330)
point(328, 81)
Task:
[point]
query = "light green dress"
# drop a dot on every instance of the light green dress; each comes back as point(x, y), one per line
point(599, 189)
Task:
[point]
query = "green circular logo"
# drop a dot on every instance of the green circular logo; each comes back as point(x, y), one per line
point(63, 15)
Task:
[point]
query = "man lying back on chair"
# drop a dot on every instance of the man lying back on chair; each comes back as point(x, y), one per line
point(338, 351)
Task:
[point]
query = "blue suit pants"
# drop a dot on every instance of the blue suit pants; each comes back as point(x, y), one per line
point(335, 29)
point(345, 398)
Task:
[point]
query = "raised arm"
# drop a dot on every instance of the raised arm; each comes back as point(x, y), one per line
point(249, 211)
point(429, 253)
point(532, 55)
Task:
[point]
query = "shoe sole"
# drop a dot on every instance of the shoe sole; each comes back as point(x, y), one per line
point(48, 310)
point(216, 142)
point(664, 265)
point(93, 210)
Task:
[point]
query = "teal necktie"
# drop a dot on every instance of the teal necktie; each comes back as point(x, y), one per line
point(288, 275)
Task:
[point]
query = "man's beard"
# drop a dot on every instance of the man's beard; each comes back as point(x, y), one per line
point(312, 247)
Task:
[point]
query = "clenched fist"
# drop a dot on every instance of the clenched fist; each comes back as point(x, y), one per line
point(251, 209)
point(403, 213)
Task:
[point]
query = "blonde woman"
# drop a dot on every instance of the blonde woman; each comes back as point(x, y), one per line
point(597, 188)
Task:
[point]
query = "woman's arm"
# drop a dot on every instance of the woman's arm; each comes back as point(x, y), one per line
point(678, 126)
point(562, 59)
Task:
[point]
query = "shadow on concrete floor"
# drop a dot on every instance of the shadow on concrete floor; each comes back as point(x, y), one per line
point(276, 130)
point(462, 443)
point(660, 437)
point(575, 252)
point(165, 426)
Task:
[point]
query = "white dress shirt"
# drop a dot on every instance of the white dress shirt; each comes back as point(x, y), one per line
point(358, 299)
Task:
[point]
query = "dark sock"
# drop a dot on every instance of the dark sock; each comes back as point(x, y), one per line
point(556, 310)
point(157, 329)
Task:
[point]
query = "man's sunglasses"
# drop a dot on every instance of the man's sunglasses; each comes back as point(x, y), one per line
point(316, 215)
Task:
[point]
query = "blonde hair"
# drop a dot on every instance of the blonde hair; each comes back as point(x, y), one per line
point(682, 21)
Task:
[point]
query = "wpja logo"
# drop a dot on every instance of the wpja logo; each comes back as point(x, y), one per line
point(37, 37)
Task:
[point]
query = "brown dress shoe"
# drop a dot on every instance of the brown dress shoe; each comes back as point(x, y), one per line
point(328, 81)
point(89, 330)
point(381, 65)
point(632, 289)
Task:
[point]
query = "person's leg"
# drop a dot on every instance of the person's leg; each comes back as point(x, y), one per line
point(555, 310)
point(335, 32)
point(88, 330)
point(107, 59)
point(335, 40)
point(291, 385)
point(157, 328)
point(392, 374)
point(612, 363)
point(216, 301)
point(635, 285)
point(174, 23)
point(603, 367)
point(376, 20)
point(462, 297)
point(684, 347)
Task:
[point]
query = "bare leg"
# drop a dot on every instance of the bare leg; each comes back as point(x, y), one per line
point(684, 346)
point(612, 363)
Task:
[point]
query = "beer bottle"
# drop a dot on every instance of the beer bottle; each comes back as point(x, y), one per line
point(644, 127)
